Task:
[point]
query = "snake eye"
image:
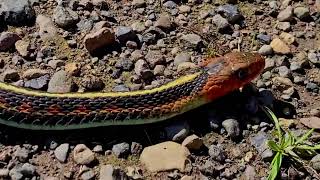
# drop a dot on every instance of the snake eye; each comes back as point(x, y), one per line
point(242, 73)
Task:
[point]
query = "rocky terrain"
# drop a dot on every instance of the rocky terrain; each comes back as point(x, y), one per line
point(104, 45)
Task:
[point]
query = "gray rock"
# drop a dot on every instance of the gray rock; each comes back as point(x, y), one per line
point(259, 141)
point(92, 83)
point(151, 17)
point(192, 41)
point(314, 58)
point(8, 40)
point(182, 57)
point(34, 73)
point(299, 79)
point(209, 168)
point(232, 127)
point(159, 70)
point(124, 34)
point(274, 4)
point(155, 58)
point(121, 150)
point(216, 153)
point(56, 63)
point(295, 66)
point(60, 82)
point(4, 173)
point(266, 76)
point(148, 38)
point(23, 48)
point(203, 14)
point(163, 22)
point(284, 71)
point(315, 162)
point(100, 4)
point(22, 154)
point(186, 67)
point(138, 3)
point(97, 149)
point(65, 17)
point(315, 112)
point(125, 64)
point(177, 131)
point(83, 155)
point(266, 50)
point(39, 83)
point(313, 87)
point(17, 60)
point(47, 28)
point(27, 169)
point(170, 5)
point(142, 69)
point(301, 12)
point(61, 152)
point(269, 64)
point(193, 142)
point(230, 12)
point(101, 24)
point(52, 144)
point(264, 38)
point(131, 44)
point(286, 14)
point(85, 25)
point(220, 22)
point(285, 26)
point(10, 75)
point(108, 172)
point(87, 175)
point(138, 27)
point(17, 13)
point(136, 55)
point(184, 9)
point(15, 174)
point(45, 51)
point(120, 88)
point(250, 173)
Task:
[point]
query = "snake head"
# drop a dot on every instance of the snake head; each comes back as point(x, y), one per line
point(230, 72)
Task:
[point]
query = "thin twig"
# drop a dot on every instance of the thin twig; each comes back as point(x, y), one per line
point(149, 139)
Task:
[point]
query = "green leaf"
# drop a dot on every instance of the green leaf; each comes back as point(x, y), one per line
point(273, 117)
point(288, 141)
point(274, 146)
point(275, 166)
point(308, 147)
point(305, 136)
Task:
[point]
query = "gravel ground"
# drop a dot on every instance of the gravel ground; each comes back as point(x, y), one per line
point(103, 45)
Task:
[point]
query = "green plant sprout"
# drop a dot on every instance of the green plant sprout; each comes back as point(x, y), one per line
point(289, 145)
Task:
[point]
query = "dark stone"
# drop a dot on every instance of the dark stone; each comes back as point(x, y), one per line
point(17, 12)
point(230, 12)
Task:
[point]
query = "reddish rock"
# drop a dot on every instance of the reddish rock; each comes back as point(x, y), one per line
point(99, 39)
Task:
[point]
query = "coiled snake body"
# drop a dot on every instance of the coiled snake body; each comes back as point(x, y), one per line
point(29, 109)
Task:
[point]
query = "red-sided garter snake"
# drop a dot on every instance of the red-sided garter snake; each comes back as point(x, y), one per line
point(26, 108)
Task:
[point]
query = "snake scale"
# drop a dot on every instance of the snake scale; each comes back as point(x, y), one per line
point(29, 109)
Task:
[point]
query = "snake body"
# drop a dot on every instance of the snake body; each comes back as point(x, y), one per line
point(25, 108)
